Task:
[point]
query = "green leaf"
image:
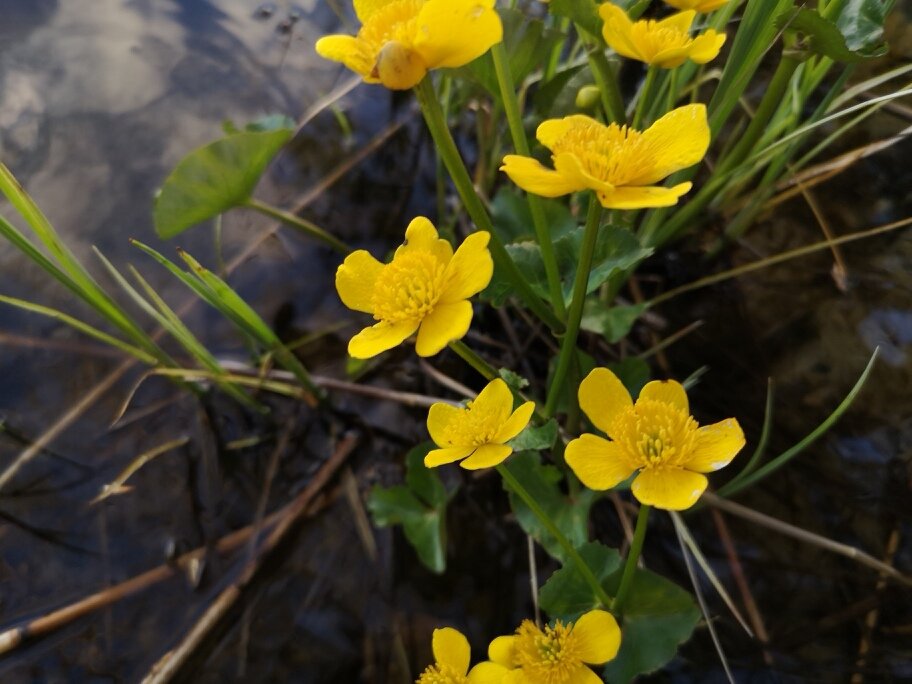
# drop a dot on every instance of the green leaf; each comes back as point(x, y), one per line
point(611, 322)
point(633, 372)
point(419, 506)
point(541, 481)
point(215, 178)
point(535, 438)
point(514, 381)
point(583, 13)
point(512, 218)
point(862, 24)
point(557, 97)
point(823, 37)
point(658, 614)
point(566, 595)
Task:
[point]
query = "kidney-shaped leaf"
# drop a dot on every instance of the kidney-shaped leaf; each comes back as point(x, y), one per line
point(214, 178)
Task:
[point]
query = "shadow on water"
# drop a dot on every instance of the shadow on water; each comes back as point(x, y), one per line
point(98, 101)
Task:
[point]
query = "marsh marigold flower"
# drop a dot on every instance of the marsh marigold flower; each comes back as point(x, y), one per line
point(666, 43)
point(696, 5)
point(400, 40)
point(452, 654)
point(557, 654)
point(620, 164)
point(656, 437)
point(477, 433)
point(425, 288)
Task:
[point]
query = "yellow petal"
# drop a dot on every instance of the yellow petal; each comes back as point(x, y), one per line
point(677, 140)
point(596, 637)
point(570, 167)
point(698, 5)
point(447, 322)
point(679, 22)
point(378, 338)
point(716, 446)
point(616, 31)
point(532, 177)
point(452, 33)
point(422, 236)
point(552, 130)
point(355, 280)
point(669, 58)
point(706, 47)
point(440, 417)
point(516, 423)
point(603, 397)
point(487, 673)
point(598, 463)
point(451, 648)
point(470, 269)
point(668, 391)
point(673, 489)
point(501, 650)
point(439, 457)
point(487, 456)
point(494, 400)
point(398, 66)
point(352, 52)
point(584, 675)
point(642, 197)
point(365, 9)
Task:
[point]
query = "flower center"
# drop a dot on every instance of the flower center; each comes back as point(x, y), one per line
point(473, 429)
point(441, 674)
point(408, 288)
point(614, 154)
point(655, 434)
point(396, 21)
point(548, 656)
point(651, 39)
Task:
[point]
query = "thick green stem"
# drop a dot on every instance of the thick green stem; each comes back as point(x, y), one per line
point(514, 119)
point(633, 556)
point(647, 93)
point(572, 554)
point(580, 285)
point(484, 369)
point(607, 84)
point(775, 91)
point(303, 225)
point(446, 148)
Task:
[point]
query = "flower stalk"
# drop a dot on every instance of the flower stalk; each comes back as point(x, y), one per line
point(446, 148)
point(572, 554)
point(300, 224)
point(484, 369)
point(633, 556)
point(574, 316)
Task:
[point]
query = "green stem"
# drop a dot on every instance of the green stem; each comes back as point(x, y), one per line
point(554, 57)
point(612, 101)
point(636, 547)
point(646, 96)
point(772, 98)
point(303, 225)
point(446, 148)
point(484, 369)
point(572, 554)
point(580, 285)
point(514, 119)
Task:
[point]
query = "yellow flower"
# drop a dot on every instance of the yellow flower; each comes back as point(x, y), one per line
point(620, 164)
point(558, 654)
point(666, 43)
point(696, 5)
point(425, 287)
point(657, 436)
point(477, 433)
point(400, 40)
point(451, 653)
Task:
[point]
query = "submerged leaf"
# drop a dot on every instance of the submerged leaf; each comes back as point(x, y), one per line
point(214, 179)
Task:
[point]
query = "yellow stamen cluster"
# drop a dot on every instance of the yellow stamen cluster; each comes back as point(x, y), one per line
point(655, 434)
point(652, 38)
point(549, 656)
point(613, 153)
point(475, 428)
point(441, 673)
point(409, 287)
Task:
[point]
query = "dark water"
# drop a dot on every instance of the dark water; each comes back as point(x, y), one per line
point(98, 100)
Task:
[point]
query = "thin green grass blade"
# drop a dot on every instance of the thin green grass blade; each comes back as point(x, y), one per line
point(733, 488)
point(81, 327)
